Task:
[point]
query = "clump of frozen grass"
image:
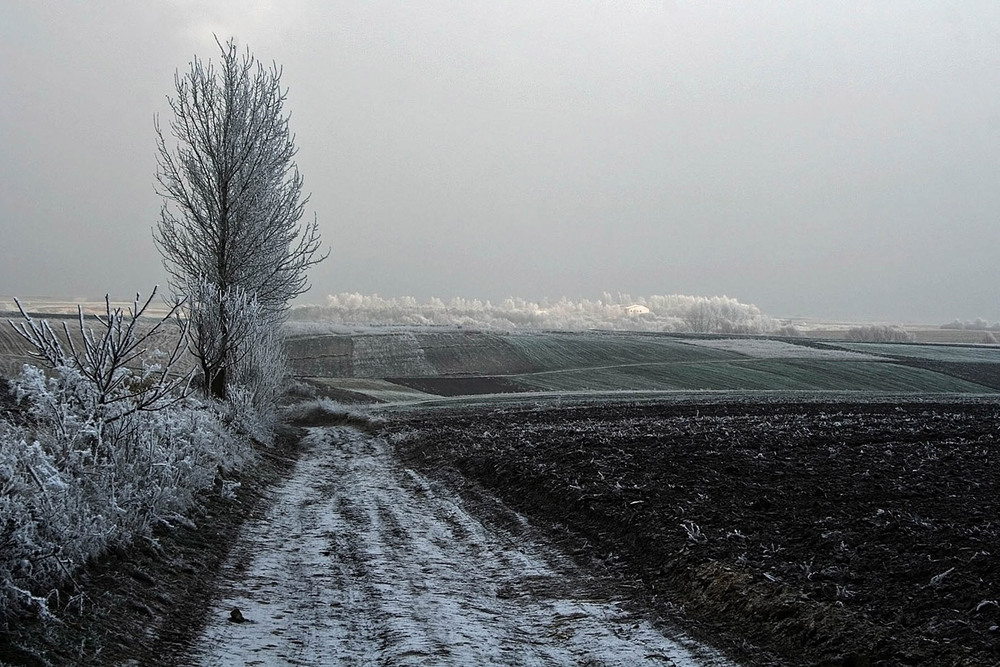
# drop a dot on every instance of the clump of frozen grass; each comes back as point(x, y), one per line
point(326, 412)
point(303, 410)
point(297, 389)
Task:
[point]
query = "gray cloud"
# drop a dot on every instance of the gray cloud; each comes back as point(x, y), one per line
point(827, 159)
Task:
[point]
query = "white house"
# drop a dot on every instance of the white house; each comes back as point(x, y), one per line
point(636, 309)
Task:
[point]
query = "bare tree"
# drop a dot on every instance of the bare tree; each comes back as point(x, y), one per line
point(232, 204)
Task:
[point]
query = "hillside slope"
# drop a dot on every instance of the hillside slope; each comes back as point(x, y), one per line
point(410, 365)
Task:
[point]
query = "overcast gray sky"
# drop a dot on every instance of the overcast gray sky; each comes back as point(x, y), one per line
point(832, 159)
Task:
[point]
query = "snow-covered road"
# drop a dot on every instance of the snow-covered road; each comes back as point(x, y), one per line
point(360, 561)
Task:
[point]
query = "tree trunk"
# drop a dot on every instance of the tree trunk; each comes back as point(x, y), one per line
point(217, 386)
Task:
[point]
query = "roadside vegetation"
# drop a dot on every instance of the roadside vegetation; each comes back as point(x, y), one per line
point(98, 448)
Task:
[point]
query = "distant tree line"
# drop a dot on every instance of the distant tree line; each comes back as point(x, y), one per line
point(979, 324)
point(670, 313)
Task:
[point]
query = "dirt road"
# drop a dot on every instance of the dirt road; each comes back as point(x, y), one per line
point(361, 561)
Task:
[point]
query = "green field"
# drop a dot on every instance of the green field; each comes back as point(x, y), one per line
point(424, 362)
point(949, 353)
point(562, 351)
point(802, 375)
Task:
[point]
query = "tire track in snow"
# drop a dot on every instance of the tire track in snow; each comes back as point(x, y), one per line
point(360, 561)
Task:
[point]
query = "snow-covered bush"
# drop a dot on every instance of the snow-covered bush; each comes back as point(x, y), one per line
point(64, 499)
point(110, 373)
point(880, 333)
point(109, 446)
point(256, 382)
point(239, 346)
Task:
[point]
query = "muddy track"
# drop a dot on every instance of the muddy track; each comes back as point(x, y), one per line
point(362, 561)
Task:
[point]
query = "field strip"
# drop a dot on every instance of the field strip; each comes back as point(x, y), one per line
point(930, 351)
point(547, 399)
point(700, 362)
point(361, 561)
point(381, 390)
point(767, 348)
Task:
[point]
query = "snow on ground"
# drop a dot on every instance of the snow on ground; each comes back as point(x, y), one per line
point(765, 348)
point(360, 561)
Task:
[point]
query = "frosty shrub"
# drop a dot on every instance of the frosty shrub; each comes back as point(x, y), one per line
point(61, 504)
point(111, 446)
point(106, 374)
point(788, 331)
point(880, 333)
point(238, 342)
point(257, 381)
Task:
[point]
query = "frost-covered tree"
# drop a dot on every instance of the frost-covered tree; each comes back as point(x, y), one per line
point(233, 201)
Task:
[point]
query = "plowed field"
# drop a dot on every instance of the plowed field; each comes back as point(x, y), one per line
point(805, 533)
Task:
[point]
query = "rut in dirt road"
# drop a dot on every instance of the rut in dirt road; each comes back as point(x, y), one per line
point(361, 561)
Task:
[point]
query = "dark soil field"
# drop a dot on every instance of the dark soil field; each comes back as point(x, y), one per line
point(800, 533)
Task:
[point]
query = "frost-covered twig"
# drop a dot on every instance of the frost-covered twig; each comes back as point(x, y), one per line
point(109, 358)
point(40, 336)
